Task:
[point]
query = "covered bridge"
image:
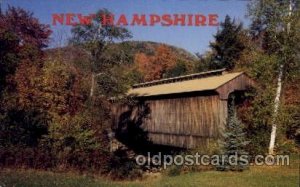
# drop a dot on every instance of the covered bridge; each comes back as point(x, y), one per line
point(186, 111)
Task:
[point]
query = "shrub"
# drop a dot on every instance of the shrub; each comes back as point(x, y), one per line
point(173, 170)
point(122, 167)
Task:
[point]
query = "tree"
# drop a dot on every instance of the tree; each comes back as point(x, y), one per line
point(263, 70)
point(276, 26)
point(92, 124)
point(228, 45)
point(164, 59)
point(179, 69)
point(234, 143)
point(62, 88)
point(156, 66)
point(22, 39)
point(95, 38)
point(204, 61)
point(143, 62)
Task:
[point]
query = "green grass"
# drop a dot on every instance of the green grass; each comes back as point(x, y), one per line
point(257, 176)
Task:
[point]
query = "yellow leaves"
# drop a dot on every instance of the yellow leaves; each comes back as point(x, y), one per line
point(55, 87)
point(61, 88)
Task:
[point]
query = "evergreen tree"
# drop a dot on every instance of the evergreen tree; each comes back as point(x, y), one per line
point(227, 46)
point(233, 144)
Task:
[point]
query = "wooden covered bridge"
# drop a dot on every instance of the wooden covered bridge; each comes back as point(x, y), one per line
point(186, 111)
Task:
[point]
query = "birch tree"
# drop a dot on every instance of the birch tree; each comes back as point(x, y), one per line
point(96, 37)
point(275, 24)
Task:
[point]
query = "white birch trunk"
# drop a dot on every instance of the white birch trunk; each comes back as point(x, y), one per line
point(92, 90)
point(275, 112)
point(278, 93)
point(92, 86)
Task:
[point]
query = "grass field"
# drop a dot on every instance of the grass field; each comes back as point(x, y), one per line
point(257, 176)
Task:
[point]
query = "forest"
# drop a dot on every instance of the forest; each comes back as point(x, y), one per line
point(55, 103)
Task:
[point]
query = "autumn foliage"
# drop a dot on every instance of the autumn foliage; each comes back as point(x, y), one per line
point(155, 66)
point(50, 117)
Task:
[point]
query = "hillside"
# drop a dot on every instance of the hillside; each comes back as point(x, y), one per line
point(130, 48)
point(148, 47)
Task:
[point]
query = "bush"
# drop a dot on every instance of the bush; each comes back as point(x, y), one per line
point(211, 149)
point(122, 167)
point(173, 170)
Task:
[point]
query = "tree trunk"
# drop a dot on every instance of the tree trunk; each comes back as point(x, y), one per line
point(275, 112)
point(93, 83)
point(92, 86)
point(278, 93)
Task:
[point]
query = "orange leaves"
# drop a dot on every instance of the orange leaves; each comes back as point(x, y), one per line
point(165, 57)
point(27, 83)
point(144, 65)
point(154, 67)
point(291, 93)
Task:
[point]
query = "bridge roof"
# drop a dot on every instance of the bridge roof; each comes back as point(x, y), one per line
point(206, 81)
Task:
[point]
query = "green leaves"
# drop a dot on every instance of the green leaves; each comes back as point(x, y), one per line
point(227, 46)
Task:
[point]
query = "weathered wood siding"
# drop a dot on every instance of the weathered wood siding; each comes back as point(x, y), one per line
point(239, 83)
point(182, 122)
point(185, 122)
